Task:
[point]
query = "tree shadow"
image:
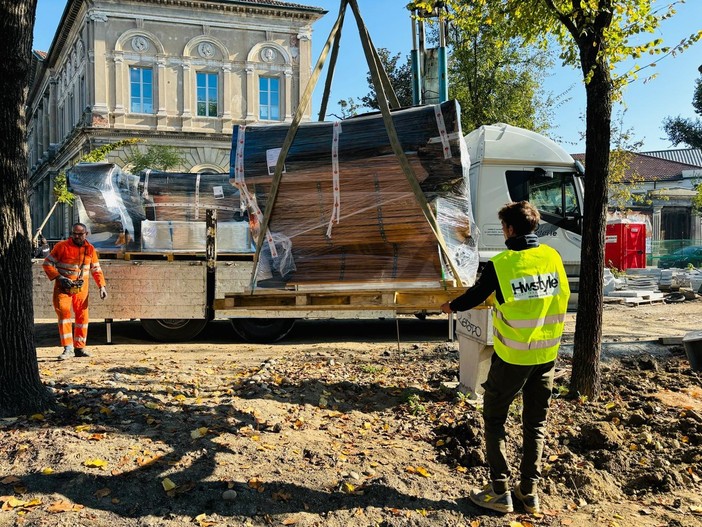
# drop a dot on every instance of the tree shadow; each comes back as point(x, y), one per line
point(190, 439)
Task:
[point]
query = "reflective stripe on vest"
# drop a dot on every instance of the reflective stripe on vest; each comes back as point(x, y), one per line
point(533, 322)
point(529, 323)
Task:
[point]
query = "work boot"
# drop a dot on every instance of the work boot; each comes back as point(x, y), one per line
point(67, 353)
point(530, 501)
point(489, 499)
point(80, 352)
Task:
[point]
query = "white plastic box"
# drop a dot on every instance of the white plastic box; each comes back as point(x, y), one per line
point(474, 332)
point(232, 236)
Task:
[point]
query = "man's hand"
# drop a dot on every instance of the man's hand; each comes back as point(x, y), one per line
point(64, 282)
point(446, 308)
point(103, 292)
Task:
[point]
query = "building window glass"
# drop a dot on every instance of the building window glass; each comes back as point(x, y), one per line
point(141, 90)
point(207, 94)
point(269, 98)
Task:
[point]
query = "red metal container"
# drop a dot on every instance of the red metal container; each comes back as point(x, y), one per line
point(625, 246)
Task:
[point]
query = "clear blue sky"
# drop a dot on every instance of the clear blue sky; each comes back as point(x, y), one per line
point(388, 22)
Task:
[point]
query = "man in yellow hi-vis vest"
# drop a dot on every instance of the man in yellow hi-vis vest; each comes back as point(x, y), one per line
point(531, 299)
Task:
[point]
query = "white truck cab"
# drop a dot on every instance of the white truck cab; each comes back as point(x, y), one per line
point(513, 164)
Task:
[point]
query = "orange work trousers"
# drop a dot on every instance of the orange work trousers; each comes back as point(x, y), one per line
point(69, 334)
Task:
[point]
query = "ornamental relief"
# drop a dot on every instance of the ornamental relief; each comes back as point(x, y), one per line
point(206, 50)
point(140, 44)
point(268, 54)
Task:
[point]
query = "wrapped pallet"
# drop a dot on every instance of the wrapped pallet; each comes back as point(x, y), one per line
point(175, 196)
point(345, 211)
point(109, 204)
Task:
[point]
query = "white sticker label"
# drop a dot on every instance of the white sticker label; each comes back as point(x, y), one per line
point(218, 192)
point(272, 160)
point(538, 286)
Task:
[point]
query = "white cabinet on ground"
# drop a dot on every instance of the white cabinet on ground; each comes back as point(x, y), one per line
point(474, 331)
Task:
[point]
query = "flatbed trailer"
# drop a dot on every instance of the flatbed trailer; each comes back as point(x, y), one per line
point(174, 295)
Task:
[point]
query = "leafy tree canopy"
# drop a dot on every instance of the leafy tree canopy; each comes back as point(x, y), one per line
point(687, 131)
point(540, 21)
point(155, 157)
point(400, 75)
point(496, 79)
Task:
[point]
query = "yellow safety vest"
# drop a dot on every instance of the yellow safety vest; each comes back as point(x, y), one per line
point(529, 323)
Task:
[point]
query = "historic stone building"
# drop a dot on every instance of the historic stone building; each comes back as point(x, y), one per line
point(168, 72)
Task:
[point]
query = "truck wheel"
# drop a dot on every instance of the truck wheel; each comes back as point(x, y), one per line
point(262, 330)
point(174, 329)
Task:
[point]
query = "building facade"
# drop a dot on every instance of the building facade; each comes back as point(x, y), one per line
point(167, 72)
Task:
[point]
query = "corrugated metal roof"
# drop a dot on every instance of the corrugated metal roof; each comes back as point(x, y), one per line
point(690, 156)
point(650, 168)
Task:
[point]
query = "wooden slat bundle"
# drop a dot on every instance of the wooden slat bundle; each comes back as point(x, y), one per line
point(382, 234)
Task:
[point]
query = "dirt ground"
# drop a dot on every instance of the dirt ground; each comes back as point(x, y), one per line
point(341, 425)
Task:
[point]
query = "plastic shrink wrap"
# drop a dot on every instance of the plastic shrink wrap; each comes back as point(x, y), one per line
point(109, 204)
point(156, 211)
point(345, 211)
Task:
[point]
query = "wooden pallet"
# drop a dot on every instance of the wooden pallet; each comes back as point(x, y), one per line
point(632, 297)
point(655, 298)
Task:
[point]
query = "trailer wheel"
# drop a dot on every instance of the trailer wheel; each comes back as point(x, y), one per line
point(262, 330)
point(174, 329)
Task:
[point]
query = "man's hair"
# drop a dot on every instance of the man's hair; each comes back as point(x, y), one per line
point(79, 224)
point(521, 215)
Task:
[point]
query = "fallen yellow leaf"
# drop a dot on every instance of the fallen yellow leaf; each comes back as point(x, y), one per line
point(47, 470)
point(95, 463)
point(203, 520)
point(10, 502)
point(63, 506)
point(423, 472)
point(347, 487)
point(168, 484)
point(199, 432)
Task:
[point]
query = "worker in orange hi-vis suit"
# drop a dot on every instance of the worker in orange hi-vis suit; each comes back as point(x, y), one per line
point(67, 264)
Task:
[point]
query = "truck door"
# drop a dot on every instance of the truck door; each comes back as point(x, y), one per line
point(555, 194)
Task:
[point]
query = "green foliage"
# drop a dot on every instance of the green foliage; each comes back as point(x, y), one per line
point(415, 404)
point(697, 199)
point(687, 131)
point(372, 368)
point(349, 108)
point(495, 79)
point(61, 192)
point(100, 154)
point(606, 33)
point(400, 75)
point(156, 157)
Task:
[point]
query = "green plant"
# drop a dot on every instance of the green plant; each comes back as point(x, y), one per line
point(415, 404)
point(156, 157)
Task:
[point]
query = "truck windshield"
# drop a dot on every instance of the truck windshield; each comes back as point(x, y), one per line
point(553, 193)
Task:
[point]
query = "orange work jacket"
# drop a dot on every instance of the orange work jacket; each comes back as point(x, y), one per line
point(69, 260)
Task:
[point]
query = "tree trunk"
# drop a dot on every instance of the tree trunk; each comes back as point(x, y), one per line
point(21, 390)
point(585, 379)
